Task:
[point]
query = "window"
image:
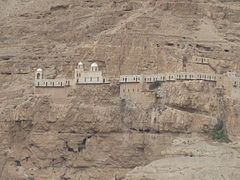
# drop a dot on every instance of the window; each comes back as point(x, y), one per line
point(103, 80)
point(97, 79)
point(61, 83)
point(133, 90)
point(91, 79)
point(38, 83)
point(85, 79)
point(38, 75)
point(46, 83)
point(53, 83)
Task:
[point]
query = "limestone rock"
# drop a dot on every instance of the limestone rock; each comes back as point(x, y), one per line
point(92, 133)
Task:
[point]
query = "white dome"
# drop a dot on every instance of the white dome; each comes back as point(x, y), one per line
point(94, 65)
point(80, 63)
point(39, 70)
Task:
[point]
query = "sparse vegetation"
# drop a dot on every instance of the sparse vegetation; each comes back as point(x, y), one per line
point(219, 132)
point(30, 178)
point(155, 85)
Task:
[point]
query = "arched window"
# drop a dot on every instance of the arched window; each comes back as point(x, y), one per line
point(38, 75)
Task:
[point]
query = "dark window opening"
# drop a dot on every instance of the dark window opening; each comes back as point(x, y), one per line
point(38, 75)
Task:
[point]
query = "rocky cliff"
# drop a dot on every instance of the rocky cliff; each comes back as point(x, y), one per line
point(94, 134)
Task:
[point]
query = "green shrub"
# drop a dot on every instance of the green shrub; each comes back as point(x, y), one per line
point(219, 132)
point(155, 85)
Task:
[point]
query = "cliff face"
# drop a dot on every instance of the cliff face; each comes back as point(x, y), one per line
point(192, 158)
point(95, 134)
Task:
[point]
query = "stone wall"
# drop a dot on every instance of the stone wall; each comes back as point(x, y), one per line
point(138, 93)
